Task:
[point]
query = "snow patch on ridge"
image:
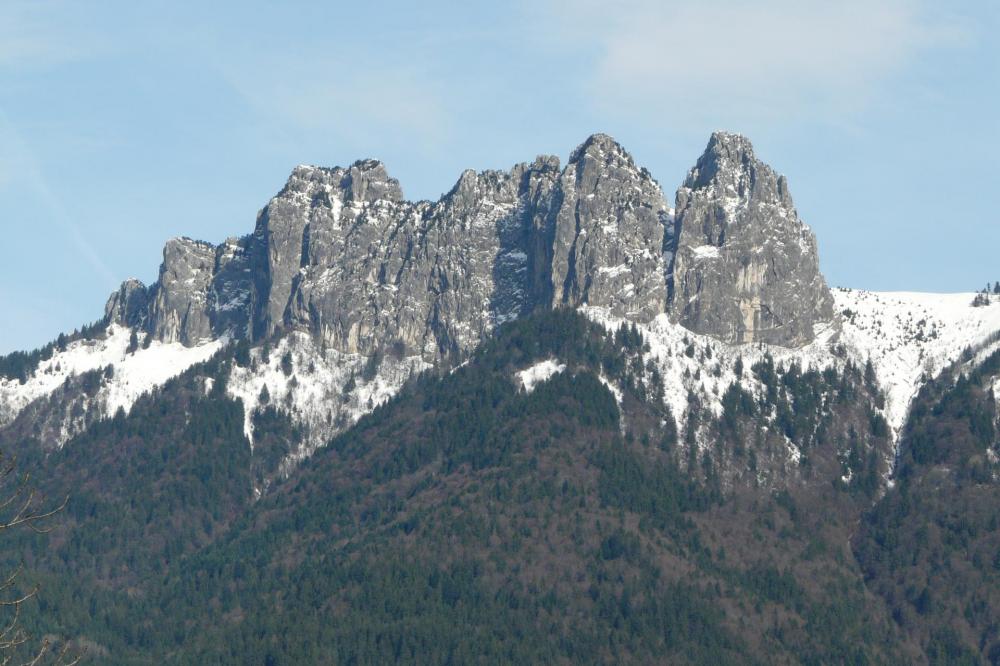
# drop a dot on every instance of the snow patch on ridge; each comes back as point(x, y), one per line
point(539, 373)
point(615, 391)
point(323, 391)
point(908, 337)
point(133, 374)
point(911, 336)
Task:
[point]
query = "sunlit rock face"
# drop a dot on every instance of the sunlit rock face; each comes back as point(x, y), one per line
point(129, 305)
point(746, 267)
point(179, 302)
point(611, 218)
point(363, 269)
point(339, 253)
point(359, 288)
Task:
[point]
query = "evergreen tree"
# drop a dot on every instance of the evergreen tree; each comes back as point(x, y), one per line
point(870, 378)
point(21, 508)
point(241, 354)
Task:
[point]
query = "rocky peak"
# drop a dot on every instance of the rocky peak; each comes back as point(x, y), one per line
point(600, 156)
point(545, 163)
point(178, 311)
point(364, 182)
point(729, 167)
point(746, 267)
point(128, 305)
point(609, 229)
point(340, 253)
point(600, 148)
point(368, 181)
point(726, 153)
point(472, 185)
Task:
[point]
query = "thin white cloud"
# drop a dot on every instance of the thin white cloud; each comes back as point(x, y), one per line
point(769, 59)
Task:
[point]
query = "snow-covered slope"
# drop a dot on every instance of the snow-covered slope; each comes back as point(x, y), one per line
point(539, 373)
point(323, 391)
point(907, 336)
point(132, 374)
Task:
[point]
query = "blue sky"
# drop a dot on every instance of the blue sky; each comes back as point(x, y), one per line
point(123, 125)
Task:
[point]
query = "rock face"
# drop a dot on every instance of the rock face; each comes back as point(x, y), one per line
point(363, 269)
point(339, 253)
point(307, 222)
point(129, 305)
point(746, 267)
point(231, 289)
point(179, 304)
point(610, 223)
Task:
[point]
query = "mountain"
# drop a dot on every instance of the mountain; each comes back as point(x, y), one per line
point(746, 267)
point(548, 417)
point(467, 495)
point(339, 253)
point(339, 256)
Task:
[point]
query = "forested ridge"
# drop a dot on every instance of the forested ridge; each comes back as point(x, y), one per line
point(468, 520)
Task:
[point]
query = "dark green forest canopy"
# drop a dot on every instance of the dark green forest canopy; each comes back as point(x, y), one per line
point(469, 521)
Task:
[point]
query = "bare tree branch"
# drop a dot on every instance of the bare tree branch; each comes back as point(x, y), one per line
point(22, 505)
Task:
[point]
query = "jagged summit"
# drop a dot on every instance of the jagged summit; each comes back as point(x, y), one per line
point(611, 218)
point(128, 305)
point(727, 155)
point(746, 267)
point(344, 277)
point(339, 253)
point(729, 165)
point(600, 146)
point(364, 181)
point(724, 140)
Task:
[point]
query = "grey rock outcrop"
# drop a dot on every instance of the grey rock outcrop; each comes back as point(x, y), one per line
point(340, 253)
point(231, 289)
point(299, 226)
point(427, 278)
point(129, 305)
point(746, 267)
point(179, 303)
point(610, 222)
